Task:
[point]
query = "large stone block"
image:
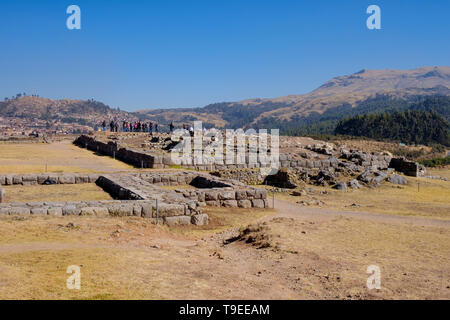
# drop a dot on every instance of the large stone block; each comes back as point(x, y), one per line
point(148, 210)
point(29, 179)
point(137, 210)
point(258, 203)
point(200, 219)
point(260, 194)
point(201, 196)
point(211, 195)
point(71, 210)
point(213, 203)
point(241, 194)
point(2, 180)
point(81, 179)
point(121, 210)
point(9, 180)
point(21, 211)
point(66, 179)
point(251, 193)
point(229, 203)
point(39, 211)
point(170, 210)
point(17, 179)
point(54, 211)
point(87, 211)
point(301, 163)
point(227, 195)
point(244, 203)
point(177, 220)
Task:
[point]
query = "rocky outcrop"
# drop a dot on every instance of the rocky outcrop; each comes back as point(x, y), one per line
point(282, 179)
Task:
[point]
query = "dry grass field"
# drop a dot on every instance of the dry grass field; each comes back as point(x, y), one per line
point(57, 157)
point(289, 252)
point(62, 192)
point(282, 258)
point(420, 197)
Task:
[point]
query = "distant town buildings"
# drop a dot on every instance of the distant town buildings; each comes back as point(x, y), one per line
point(14, 126)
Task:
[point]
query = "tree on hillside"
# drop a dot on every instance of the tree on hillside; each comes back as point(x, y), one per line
point(410, 126)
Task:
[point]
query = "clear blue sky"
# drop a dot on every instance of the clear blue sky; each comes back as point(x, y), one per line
point(149, 54)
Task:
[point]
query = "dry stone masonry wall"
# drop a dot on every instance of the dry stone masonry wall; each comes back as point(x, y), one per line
point(163, 159)
point(142, 195)
point(32, 179)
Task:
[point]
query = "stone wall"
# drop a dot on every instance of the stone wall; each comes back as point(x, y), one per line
point(163, 159)
point(211, 191)
point(2, 194)
point(47, 178)
point(171, 214)
point(140, 194)
point(409, 168)
point(228, 197)
point(249, 176)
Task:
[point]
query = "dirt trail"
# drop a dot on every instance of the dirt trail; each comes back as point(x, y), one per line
point(292, 210)
point(20, 247)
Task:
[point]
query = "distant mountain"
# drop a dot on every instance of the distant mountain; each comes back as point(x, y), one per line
point(336, 98)
point(361, 92)
point(84, 112)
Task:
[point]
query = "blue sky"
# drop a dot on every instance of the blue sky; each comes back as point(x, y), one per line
point(151, 54)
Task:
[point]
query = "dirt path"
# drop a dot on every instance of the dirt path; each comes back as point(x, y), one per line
point(21, 247)
point(292, 210)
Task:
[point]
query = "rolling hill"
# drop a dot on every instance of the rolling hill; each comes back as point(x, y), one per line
point(84, 112)
point(343, 96)
point(338, 97)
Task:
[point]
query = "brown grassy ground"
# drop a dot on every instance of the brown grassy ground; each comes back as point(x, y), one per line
point(58, 192)
point(443, 172)
point(59, 156)
point(367, 145)
point(130, 258)
point(431, 199)
point(305, 257)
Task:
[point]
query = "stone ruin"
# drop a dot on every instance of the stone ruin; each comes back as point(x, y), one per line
point(319, 164)
point(142, 195)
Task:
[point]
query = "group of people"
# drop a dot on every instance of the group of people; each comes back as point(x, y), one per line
point(141, 126)
point(138, 126)
point(133, 126)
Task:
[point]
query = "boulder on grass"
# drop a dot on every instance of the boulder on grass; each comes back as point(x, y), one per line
point(396, 179)
point(340, 186)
